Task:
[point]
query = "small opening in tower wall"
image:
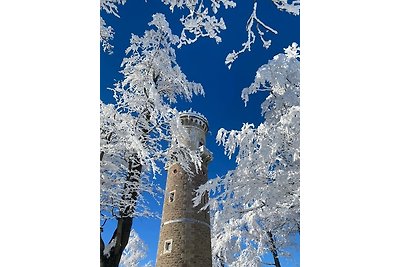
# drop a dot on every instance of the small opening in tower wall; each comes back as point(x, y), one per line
point(171, 196)
point(168, 246)
point(203, 199)
point(175, 171)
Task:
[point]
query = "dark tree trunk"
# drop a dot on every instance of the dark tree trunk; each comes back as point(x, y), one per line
point(124, 222)
point(273, 249)
point(121, 237)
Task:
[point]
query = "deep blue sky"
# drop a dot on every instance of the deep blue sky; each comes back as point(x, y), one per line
point(203, 62)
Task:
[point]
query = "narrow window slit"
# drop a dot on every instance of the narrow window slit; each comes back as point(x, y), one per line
point(171, 196)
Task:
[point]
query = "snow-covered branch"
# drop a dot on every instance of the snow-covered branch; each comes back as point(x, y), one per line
point(106, 35)
point(292, 7)
point(111, 6)
point(107, 32)
point(198, 22)
point(134, 252)
point(251, 37)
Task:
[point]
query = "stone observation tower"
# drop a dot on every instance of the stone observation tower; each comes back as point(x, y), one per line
point(185, 239)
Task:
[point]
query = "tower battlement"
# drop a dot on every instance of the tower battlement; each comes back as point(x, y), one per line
point(196, 126)
point(192, 118)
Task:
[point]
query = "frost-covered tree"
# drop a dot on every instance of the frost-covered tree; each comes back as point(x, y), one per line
point(137, 130)
point(256, 206)
point(107, 32)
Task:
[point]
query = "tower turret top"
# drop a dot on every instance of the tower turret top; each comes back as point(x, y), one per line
point(193, 118)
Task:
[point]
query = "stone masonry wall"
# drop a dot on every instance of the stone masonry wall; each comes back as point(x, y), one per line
point(186, 226)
